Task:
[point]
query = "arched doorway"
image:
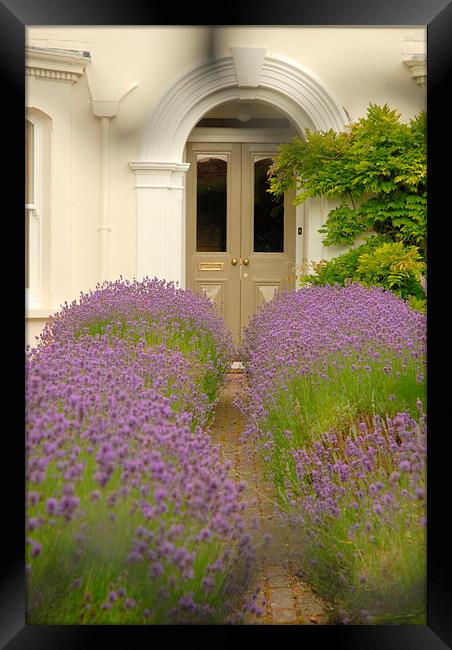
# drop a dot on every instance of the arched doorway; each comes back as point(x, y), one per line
point(249, 75)
point(240, 239)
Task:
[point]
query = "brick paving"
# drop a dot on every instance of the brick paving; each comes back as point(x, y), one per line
point(284, 598)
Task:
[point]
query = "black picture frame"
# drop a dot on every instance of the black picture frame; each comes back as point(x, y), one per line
point(436, 15)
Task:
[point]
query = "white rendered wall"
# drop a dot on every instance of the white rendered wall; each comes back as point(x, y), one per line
point(360, 65)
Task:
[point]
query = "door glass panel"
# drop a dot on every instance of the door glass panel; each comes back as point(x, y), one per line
point(211, 202)
point(268, 212)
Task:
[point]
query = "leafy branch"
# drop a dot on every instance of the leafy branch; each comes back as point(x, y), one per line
point(377, 170)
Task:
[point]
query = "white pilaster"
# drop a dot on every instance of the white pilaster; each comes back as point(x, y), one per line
point(160, 220)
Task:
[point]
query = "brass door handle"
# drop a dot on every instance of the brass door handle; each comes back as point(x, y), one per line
point(246, 261)
point(234, 261)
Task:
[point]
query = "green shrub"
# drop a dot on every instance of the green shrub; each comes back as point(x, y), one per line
point(341, 268)
point(379, 263)
point(377, 169)
point(393, 267)
point(418, 304)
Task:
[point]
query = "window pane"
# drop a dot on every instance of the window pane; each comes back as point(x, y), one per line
point(268, 212)
point(29, 192)
point(211, 202)
point(29, 154)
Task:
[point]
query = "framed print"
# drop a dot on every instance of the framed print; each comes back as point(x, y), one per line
point(171, 150)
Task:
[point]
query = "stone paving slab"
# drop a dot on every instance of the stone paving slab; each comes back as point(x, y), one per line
point(284, 598)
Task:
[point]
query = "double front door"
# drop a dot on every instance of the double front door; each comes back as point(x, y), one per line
point(240, 238)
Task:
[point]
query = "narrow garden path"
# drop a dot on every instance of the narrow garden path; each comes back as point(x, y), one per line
point(284, 598)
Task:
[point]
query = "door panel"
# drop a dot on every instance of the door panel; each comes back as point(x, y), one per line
point(213, 226)
point(215, 291)
point(240, 239)
point(265, 291)
point(268, 233)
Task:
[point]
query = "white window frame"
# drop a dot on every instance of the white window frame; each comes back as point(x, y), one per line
point(33, 294)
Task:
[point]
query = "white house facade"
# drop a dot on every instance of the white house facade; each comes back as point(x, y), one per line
point(146, 150)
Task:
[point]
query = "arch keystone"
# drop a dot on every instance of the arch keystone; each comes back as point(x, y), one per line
point(249, 74)
point(248, 62)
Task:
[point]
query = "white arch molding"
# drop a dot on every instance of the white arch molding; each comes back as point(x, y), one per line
point(250, 74)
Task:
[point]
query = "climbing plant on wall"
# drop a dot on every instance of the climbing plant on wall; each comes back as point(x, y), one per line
point(377, 172)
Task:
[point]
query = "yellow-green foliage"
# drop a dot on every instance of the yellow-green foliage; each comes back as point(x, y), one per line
point(392, 266)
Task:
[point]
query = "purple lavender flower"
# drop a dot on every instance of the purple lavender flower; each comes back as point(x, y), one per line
point(405, 466)
point(187, 602)
point(36, 548)
point(51, 505)
point(157, 570)
point(110, 401)
point(394, 477)
point(129, 603)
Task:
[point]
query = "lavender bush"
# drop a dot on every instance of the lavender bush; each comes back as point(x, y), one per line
point(155, 311)
point(321, 356)
point(361, 501)
point(326, 359)
point(131, 517)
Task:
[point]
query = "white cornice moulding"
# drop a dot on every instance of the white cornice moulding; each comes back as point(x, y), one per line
point(414, 56)
point(58, 65)
point(418, 67)
point(159, 175)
